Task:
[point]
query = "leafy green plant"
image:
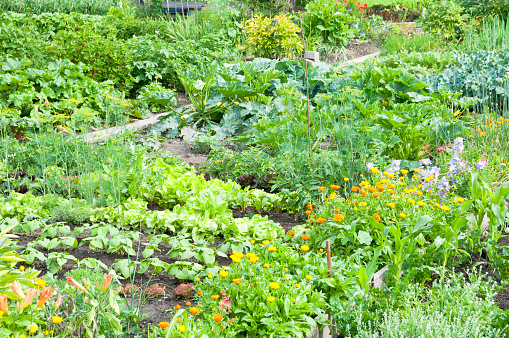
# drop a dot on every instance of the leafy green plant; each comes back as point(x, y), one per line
point(331, 21)
point(445, 18)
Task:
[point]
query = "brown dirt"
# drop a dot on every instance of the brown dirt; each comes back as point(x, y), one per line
point(285, 219)
point(502, 298)
point(354, 50)
point(182, 150)
point(182, 99)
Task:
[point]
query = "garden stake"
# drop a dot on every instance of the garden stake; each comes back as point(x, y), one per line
point(329, 260)
point(307, 86)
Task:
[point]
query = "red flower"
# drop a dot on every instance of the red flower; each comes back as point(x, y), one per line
point(365, 5)
point(363, 18)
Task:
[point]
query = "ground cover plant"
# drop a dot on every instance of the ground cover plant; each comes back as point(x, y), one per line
point(315, 177)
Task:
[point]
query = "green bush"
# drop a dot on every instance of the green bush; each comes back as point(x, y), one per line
point(273, 37)
point(330, 21)
point(97, 7)
point(445, 18)
point(486, 7)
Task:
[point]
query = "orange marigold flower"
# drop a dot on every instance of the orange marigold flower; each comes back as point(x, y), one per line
point(321, 188)
point(251, 284)
point(339, 217)
point(291, 233)
point(334, 187)
point(310, 206)
point(194, 310)
point(379, 187)
point(200, 292)
point(218, 317)
point(371, 189)
point(320, 220)
point(391, 192)
point(163, 325)
point(215, 297)
point(377, 217)
point(355, 189)
point(237, 281)
point(363, 193)
point(177, 307)
point(305, 237)
point(375, 194)
point(308, 212)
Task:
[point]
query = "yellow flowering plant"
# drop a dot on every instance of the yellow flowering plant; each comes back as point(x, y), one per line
point(273, 37)
point(391, 213)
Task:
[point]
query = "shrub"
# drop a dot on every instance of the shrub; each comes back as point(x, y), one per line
point(274, 37)
point(330, 21)
point(486, 7)
point(445, 18)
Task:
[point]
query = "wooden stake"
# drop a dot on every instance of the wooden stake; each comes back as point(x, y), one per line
point(187, 4)
point(194, 6)
point(307, 88)
point(181, 7)
point(329, 259)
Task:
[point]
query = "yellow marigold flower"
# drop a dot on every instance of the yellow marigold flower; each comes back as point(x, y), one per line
point(304, 248)
point(345, 179)
point(272, 248)
point(391, 205)
point(402, 215)
point(404, 171)
point(460, 199)
point(182, 328)
point(57, 319)
point(238, 254)
point(32, 329)
point(321, 188)
point(374, 170)
point(250, 254)
point(235, 259)
point(297, 285)
point(445, 208)
point(215, 297)
point(271, 299)
point(419, 193)
point(266, 265)
point(254, 259)
point(391, 176)
point(411, 201)
point(223, 273)
point(483, 133)
point(252, 241)
point(437, 205)
point(308, 277)
point(417, 170)
point(265, 242)
point(274, 285)
point(421, 203)
point(40, 282)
